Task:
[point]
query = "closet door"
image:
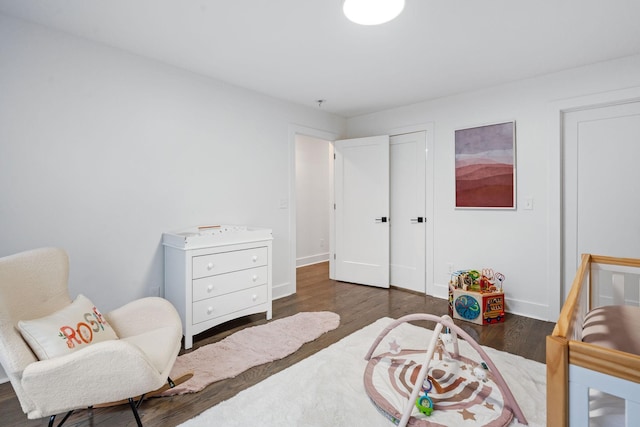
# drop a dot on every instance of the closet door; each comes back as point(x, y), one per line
point(601, 196)
point(408, 211)
point(361, 192)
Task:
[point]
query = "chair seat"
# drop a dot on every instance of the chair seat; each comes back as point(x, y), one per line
point(154, 344)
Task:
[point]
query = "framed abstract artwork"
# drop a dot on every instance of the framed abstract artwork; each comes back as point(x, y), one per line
point(485, 166)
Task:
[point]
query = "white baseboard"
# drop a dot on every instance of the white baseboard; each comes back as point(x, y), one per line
point(313, 259)
point(282, 290)
point(527, 308)
point(440, 291)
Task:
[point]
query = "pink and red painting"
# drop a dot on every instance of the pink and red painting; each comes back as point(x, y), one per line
point(485, 166)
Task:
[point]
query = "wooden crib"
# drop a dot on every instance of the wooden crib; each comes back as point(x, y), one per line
point(578, 370)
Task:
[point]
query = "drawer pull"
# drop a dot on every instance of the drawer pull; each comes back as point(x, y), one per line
point(254, 258)
point(209, 310)
point(209, 288)
point(254, 297)
point(255, 277)
point(210, 266)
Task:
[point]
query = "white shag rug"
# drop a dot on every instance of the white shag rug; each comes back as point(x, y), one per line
point(327, 389)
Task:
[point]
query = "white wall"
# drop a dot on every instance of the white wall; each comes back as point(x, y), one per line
point(312, 200)
point(101, 151)
point(523, 244)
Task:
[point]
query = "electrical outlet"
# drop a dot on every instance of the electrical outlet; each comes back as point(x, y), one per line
point(322, 243)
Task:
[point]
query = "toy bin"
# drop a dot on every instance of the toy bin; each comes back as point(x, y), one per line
point(481, 308)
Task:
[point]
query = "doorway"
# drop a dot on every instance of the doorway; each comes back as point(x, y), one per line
point(313, 198)
point(290, 205)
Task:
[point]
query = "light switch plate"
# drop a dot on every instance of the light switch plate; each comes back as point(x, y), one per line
point(528, 203)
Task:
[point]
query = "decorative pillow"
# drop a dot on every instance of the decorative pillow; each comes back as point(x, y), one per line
point(72, 328)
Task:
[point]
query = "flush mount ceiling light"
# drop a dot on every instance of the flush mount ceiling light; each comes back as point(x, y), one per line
point(372, 12)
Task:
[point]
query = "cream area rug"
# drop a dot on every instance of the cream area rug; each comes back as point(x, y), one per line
point(327, 389)
point(249, 347)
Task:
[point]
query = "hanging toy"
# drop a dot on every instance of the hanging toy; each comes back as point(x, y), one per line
point(424, 402)
point(480, 372)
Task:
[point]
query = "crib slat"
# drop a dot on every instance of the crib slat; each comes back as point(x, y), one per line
point(617, 283)
point(632, 412)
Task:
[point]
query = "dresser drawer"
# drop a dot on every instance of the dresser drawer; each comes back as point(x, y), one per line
point(213, 286)
point(225, 304)
point(225, 262)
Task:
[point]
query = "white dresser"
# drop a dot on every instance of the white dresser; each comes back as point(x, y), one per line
point(217, 273)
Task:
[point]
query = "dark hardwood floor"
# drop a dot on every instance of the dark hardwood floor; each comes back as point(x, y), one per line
point(357, 305)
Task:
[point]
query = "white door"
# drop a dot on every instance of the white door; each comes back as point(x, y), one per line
point(601, 196)
point(361, 182)
point(408, 211)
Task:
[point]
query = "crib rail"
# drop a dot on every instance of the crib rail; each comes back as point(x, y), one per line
point(600, 280)
point(588, 291)
point(615, 281)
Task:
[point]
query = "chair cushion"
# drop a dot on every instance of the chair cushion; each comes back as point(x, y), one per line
point(67, 330)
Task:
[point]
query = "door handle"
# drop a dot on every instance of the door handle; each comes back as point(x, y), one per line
point(381, 219)
point(418, 219)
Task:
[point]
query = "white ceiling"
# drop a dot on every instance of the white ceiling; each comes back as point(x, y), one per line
point(304, 50)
